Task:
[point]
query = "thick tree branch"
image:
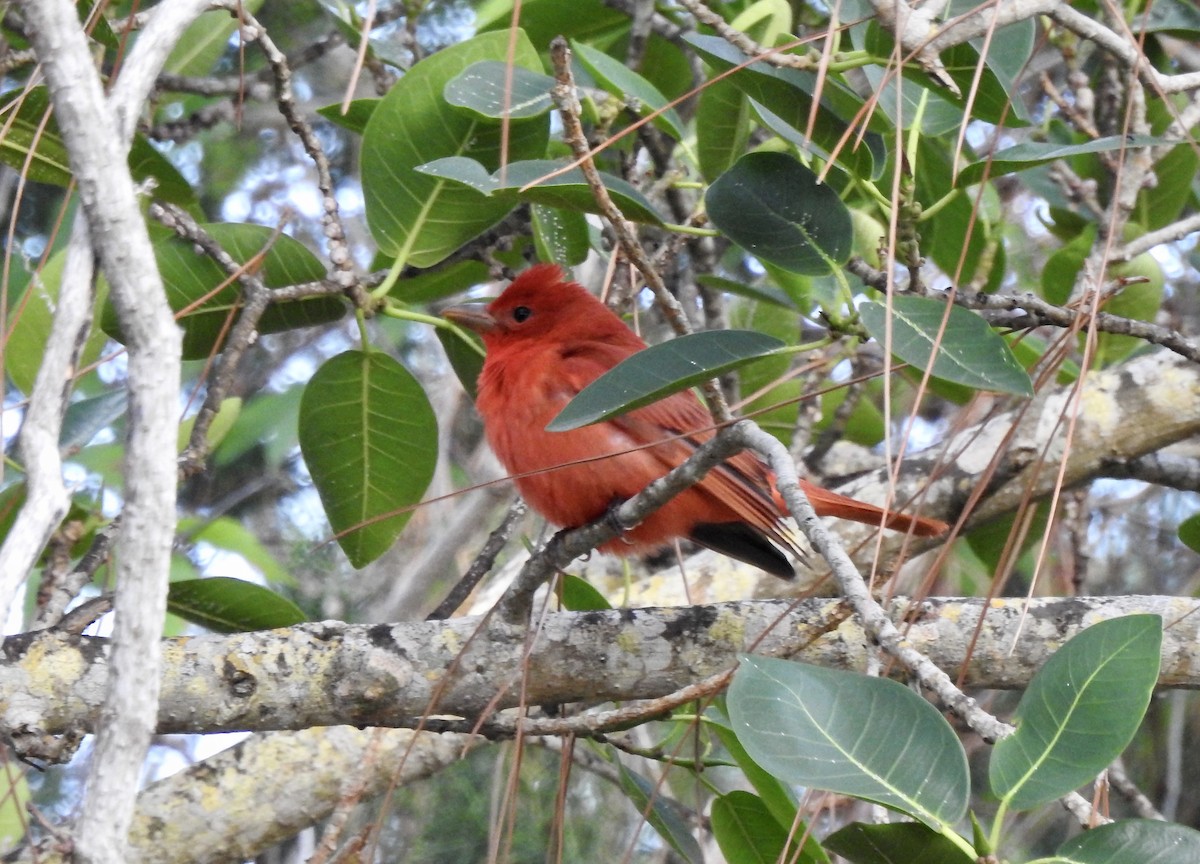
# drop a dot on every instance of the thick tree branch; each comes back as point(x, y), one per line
point(331, 673)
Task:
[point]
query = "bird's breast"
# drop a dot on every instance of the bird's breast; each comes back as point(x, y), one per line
point(569, 477)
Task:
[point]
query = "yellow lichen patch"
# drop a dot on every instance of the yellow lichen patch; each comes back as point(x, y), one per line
point(729, 627)
point(628, 641)
point(1098, 405)
point(212, 798)
point(46, 657)
point(450, 640)
point(1172, 389)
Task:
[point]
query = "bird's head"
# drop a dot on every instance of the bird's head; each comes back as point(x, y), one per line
point(540, 305)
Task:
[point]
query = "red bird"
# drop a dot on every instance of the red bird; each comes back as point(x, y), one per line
point(547, 339)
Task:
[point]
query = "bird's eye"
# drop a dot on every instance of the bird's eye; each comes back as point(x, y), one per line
point(521, 313)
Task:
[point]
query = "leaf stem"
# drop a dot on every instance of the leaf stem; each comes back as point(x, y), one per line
point(401, 314)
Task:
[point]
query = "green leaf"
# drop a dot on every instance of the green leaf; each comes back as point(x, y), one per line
point(369, 437)
point(764, 293)
point(466, 358)
point(439, 283)
point(147, 163)
point(14, 814)
point(419, 218)
point(867, 737)
point(31, 143)
point(31, 316)
point(561, 236)
point(227, 605)
point(203, 43)
point(747, 833)
point(661, 370)
point(664, 815)
point(480, 89)
point(722, 128)
point(1189, 532)
point(777, 797)
point(189, 277)
point(568, 190)
point(969, 353)
point(1033, 153)
point(12, 499)
point(269, 421)
point(774, 208)
point(88, 417)
point(1145, 841)
point(222, 422)
point(1180, 17)
point(1079, 712)
point(232, 536)
point(896, 843)
point(579, 595)
point(358, 112)
point(622, 82)
point(787, 94)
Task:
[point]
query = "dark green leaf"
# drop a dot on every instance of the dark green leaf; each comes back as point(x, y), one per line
point(561, 236)
point(969, 351)
point(1033, 153)
point(867, 737)
point(146, 163)
point(369, 437)
point(896, 843)
point(1079, 712)
point(1189, 532)
point(12, 499)
point(621, 81)
point(774, 208)
point(661, 370)
point(664, 815)
point(765, 293)
point(748, 834)
point(480, 88)
point(87, 417)
point(1172, 16)
point(440, 283)
point(357, 114)
point(466, 359)
point(419, 217)
point(777, 797)
point(190, 277)
point(722, 128)
point(231, 605)
point(1142, 840)
point(787, 94)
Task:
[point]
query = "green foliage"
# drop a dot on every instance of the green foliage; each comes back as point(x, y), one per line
point(761, 188)
point(231, 605)
point(369, 436)
point(1079, 712)
point(952, 343)
point(877, 740)
point(419, 218)
point(657, 372)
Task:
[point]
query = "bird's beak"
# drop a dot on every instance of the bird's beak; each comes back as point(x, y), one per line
point(473, 316)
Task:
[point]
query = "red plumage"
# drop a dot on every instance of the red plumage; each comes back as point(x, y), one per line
point(547, 339)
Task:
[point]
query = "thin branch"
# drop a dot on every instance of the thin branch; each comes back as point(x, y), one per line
point(567, 102)
point(1039, 312)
